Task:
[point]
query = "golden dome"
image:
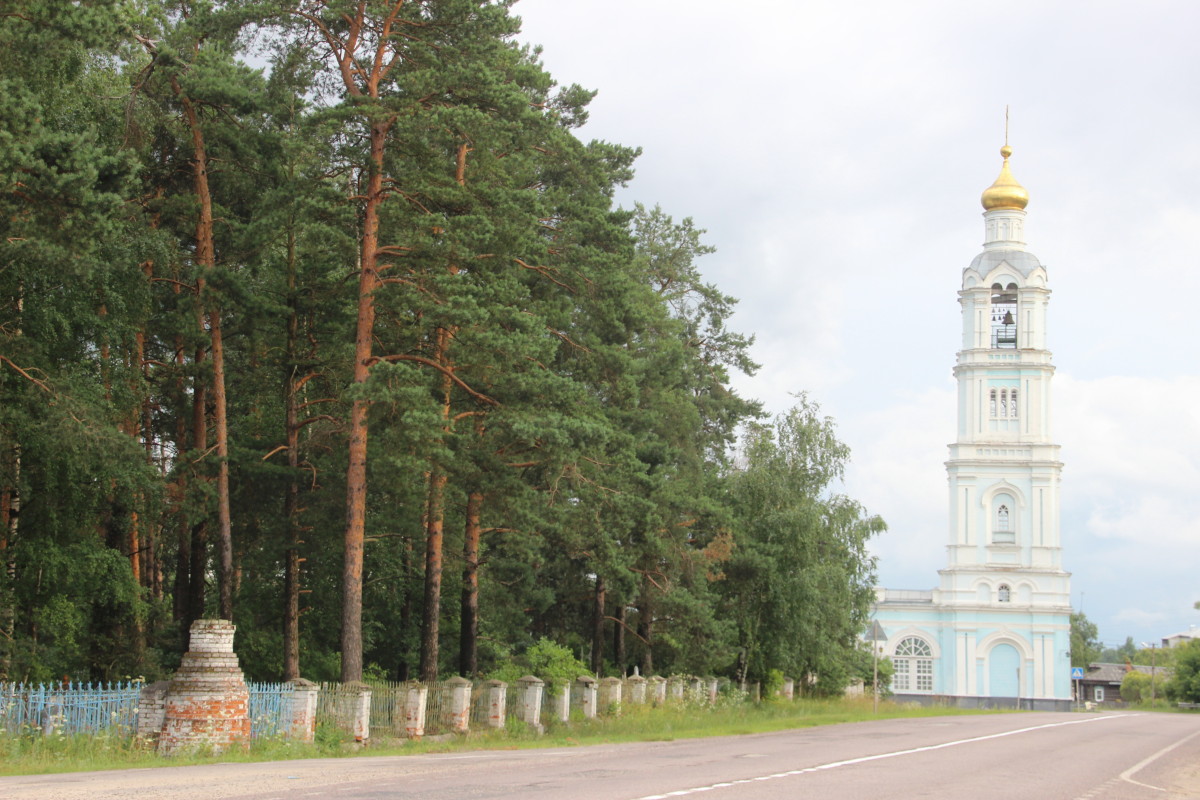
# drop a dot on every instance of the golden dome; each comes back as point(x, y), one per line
point(1005, 192)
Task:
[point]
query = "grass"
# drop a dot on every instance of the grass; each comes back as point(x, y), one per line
point(36, 754)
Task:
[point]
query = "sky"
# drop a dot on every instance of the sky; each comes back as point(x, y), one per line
point(835, 152)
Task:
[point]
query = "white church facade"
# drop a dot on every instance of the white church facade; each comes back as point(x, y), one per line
point(996, 630)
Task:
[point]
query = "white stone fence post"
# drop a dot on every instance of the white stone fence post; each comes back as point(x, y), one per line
point(529, 702)
point(608, 700)
point(584, 695)
point(415, 696)
point(456, 704)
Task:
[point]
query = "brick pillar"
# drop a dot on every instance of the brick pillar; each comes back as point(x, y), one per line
point(415, 696)
point(658, 690)
point(714, 688)
point(562, 703)
point(497, 702)
point(788, 690)
point(207, 702)
point(608, 699)
point(354, 710)
point(456, 704)
point(584, 694)
point(529, 701)
point(675, 688)
point(302, 710)
point(152, 708)
point(635, 686)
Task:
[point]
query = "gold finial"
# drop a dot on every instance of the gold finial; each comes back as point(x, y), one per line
point(1005, 192)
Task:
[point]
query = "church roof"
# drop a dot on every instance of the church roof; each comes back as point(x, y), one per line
point(1023, 261)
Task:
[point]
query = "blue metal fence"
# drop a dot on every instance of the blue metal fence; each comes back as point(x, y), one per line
point(69, 707)
point(268, 709)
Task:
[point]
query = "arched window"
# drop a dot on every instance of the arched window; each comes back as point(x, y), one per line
point(1004, 594)
point(913, 663)
point(1003, 403)
point(992, 403)
point(1012, 404)
point(1003, 529)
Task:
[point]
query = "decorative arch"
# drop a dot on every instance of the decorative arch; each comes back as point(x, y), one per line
point(1004, 636)
point(913, 631)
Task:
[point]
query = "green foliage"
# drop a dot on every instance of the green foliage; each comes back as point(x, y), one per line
point(1085, 641)
point(1184, 685)
point(1136, 687)
point(558, 359)
point(554, 664)
point(799, 582)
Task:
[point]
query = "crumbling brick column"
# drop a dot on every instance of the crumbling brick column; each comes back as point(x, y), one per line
point(609, 696)
point(302, 710)
point(714, 688)
point(457, 704)
point(414, 709)
point(584, 695)
point(675, 688)
point(529, 701)
point(788, 690)
point(354, 710)
point(497, 703)
point(207, 702)
point(152, 707)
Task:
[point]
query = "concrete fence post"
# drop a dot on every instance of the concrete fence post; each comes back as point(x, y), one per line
point(301, 710)
point(497, 703)
point(415, 696)
point(562, 703)
point(658, 690)
point(584, 694)
point(675, 689)
point(788, 690)
point(608, 700)
point(714, 688)
point(354, 710)
point(529, 701)
point(699, 688)
point(457, 704)
point(636, 689)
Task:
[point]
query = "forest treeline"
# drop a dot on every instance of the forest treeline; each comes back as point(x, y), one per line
point(317, 315)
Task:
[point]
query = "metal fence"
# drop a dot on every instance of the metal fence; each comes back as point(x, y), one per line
point(69, 708)
point(268, 708)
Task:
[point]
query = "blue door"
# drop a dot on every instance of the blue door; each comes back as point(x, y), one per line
point(1003, 677)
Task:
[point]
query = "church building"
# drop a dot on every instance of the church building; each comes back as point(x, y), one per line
point(996, 631)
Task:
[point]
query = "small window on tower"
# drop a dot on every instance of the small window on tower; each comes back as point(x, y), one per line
point(1004, 595)
point(1003, 403)
point(1012, 404)
point(1004, 316)
point(1002, 530)
point(992, 404)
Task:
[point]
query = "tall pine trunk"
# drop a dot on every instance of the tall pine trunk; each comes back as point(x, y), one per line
point(468, 640)
point(206, 262)
point(598, 626)
point(291, 497)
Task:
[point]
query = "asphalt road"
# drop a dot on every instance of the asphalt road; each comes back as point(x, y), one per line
point(1112, 756)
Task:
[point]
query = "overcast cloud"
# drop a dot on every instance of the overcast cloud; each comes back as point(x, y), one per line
point(836, 151)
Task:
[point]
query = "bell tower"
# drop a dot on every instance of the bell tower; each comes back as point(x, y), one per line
point(1005, 551)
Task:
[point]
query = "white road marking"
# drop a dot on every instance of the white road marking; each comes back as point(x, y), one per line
point(894, 754)
point(1151, 759)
